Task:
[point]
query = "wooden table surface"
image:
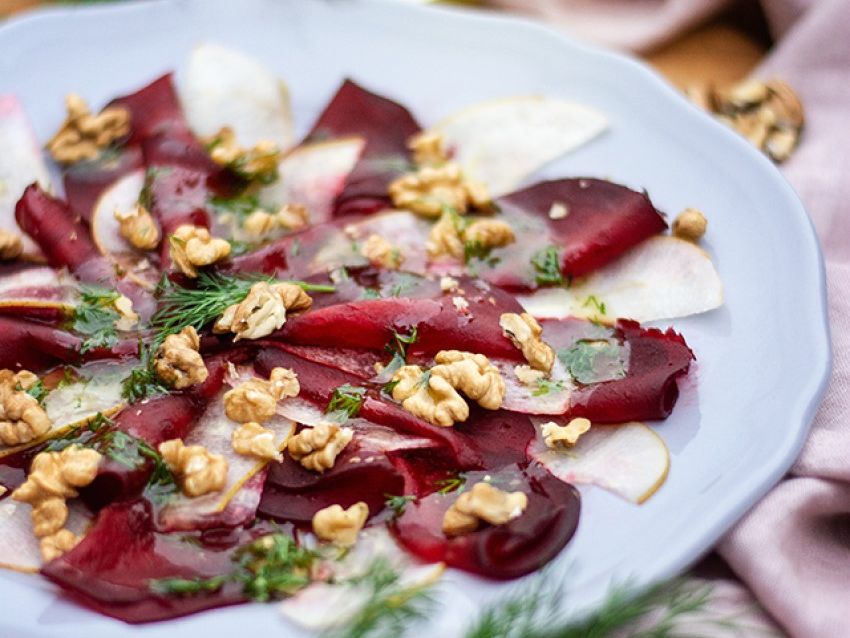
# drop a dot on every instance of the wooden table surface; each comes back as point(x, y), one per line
point(719, 53)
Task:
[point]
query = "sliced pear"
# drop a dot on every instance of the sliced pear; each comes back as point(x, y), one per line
point(224, 87)
point(661, 278)
point(73, 404)
point(19, 550)
point(550, 395)
point(630, 460)
point(214, 431)
point(39, 287)
point(313, 175)
point(502, 142)
point(21, 164)
point(327, 605)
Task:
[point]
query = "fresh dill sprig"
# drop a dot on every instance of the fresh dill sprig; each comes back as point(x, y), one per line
point(593, 301)
point(208, 299)
point(271, 567)
point(347, 400)
point(451, 484)
point(143, 381)
point(94, 317)
point(37, 391)
point(391, 607)
point(547, 266)
point(398, 503)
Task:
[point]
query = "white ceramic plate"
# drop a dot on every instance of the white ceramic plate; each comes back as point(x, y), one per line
point(763, 359)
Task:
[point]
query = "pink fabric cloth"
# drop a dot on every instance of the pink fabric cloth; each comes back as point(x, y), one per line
point(793, 549)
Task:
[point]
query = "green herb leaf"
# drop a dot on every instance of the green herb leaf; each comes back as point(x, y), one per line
point(203, 304)
point(143, 381)
point(240, 207)
point(37, 391)
point(347, 399)
point(370, 293)
point(547, 266)
point(94, 317)
point(398, 503)
point(451, 484)
point(592, 361)
point(593, 301)
point(547, 386)
point(186, 586)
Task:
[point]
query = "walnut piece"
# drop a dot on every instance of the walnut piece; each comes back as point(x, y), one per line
point(528, 375)
point(292, 216)
point(253, 164)
point(690, 225)
point(197, 470)
point(256, 399)
point(252, 439)
point(524, 332)
point(563, 436)
point(448, 284)
point(11, 246)
point(316, 448)
point(340, 526)
point(22, 419)
point(261, 223)
point(381, 253)
point(178, 362)
point(53, 478)
point(489, 233)
point(57, 544)
point(83, 135)
point(482, 503)
point(193, 246)
point(263, 310)
point(430, 190)
point(444, 238)
point(558, 210)
point(129, 319)
point(434, 396)
point(138, 227)
point(427, 149)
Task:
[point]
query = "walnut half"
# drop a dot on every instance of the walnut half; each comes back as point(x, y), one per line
point(256, 399)
point(340, 526)
point(198, 471)
point(316, 448)
point(482, 503)
point(178, 362)
point(263, 310)
point(22, 419)
point(83, 135)
point(252, 439)
point(558, 436)
point(138, 227)
point(525, 333)
point(193, 247)
point(11, 246)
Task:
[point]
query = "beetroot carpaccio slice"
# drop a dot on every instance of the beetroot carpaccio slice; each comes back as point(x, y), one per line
point(85, 182)
point(511, 550)
point(110, 570)
point(386, 126)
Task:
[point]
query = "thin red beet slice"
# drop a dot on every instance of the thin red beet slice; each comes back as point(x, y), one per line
point(86, 181)
point(386, 127)
point(514, 549)
point(649, 388)
point(441, 324)
point(111, 568)
point(154, 109)
point(318, 383)
point(603, 221)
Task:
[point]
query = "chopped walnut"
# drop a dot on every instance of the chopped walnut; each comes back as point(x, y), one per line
point(489, 233)
point(528, 375)
point(254, 164)
point(427, 149)
point(197, 470)
point(690, 224)
point(53, 478)
point(193, 246)
point(340, 526)
point(473, 374)
point(381, 253)
point(555, 436)
point(55, 545)
point(262, 223)
point(129, 319)
point(292, 216)
point(769, 114)
point(524, 332)
point(252, 439)
point(448, 284)
point(178, 362)
point(558, 210)
point(263, 310)
point(10, 245)
point(256, 399)
point(22, 419)
point(430, 190)
point(444, 238)
point(138, 227)
point(482, 503)
point(83, 135)
point(434, 396)
point(429, 397)
point(316, 448)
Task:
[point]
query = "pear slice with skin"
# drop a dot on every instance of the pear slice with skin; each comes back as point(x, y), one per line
point(21, 164)
point(501, 142)
point(661, 278)
point(629, 460)
point(222, 87)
